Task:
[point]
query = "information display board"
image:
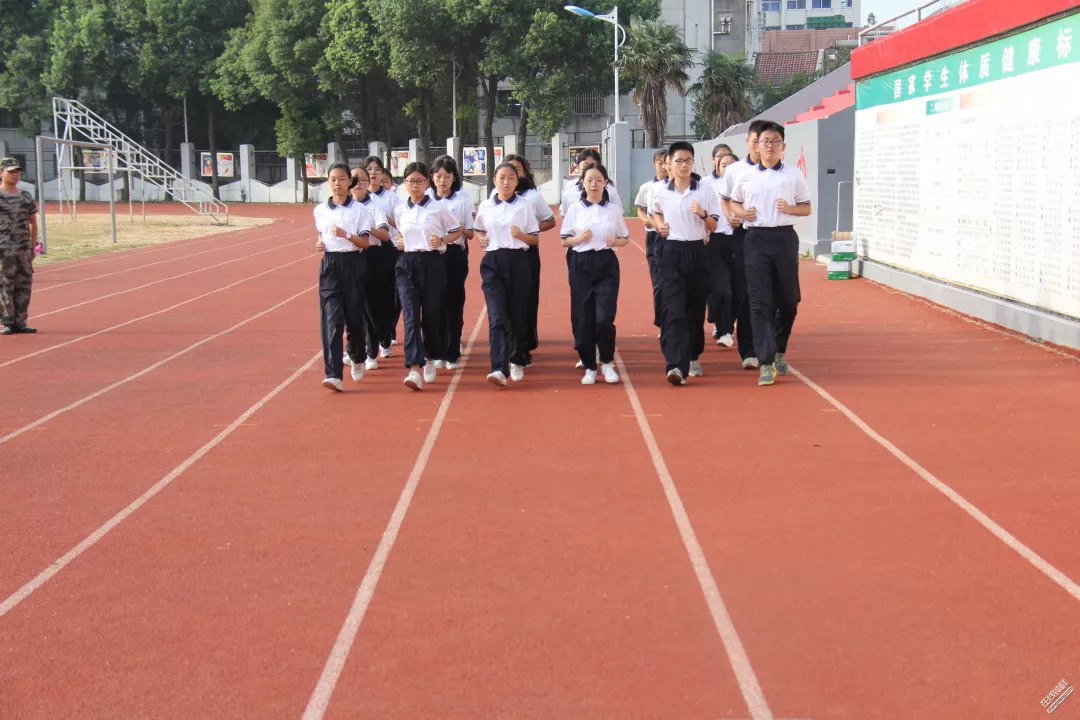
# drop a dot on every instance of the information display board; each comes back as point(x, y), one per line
point(967, 167)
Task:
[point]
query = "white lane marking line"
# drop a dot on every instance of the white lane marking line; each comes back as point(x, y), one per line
point(149, 368)
point(45, 575)
point(1040, 564)
point(20, 358)
point(172, 277)
point(335, 663)
point(740, 661)
point(160, 262)
point(139, 252)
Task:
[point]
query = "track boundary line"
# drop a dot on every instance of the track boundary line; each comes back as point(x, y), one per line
point(138, 252)
point(149, 368)
point(725, 627)
point(161, 262)
point(20, 358)
point(1037, 561)
point(156, 282)
point(48, 573)
point(335, 662)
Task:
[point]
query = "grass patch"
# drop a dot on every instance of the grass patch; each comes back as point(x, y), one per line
point(91, 234)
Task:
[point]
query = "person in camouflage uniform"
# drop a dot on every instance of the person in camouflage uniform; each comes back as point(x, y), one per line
point(18, 234)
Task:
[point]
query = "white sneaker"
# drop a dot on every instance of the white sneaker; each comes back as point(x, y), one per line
point(393, 341)
point(332, 383)
point(609, 373)
point(385, 352)
point(429, 371)
point(413, 381)
point(578, 365)
point(674, 376)
point(461, 349)
point(371, 364)
point(695, 368)
point(725, 340)
point(439, 364)
point(659, 334)
point(590, 378)
point(357, 372)
point(517, 372)
point(451, 365)
point(715, 332)
point(497, 378)
point(750, 363)
point(347, 360)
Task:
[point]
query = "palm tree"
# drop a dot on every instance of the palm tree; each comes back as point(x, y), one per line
point(654, 58)
point(723, 94)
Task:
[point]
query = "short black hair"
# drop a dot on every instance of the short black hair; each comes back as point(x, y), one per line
point(659, 154)
point(588, 153)
point(680, 145)
point(374, 159)
point(343, 166)
point(721, 146)
point(447, 163)
point(767, 125)
point(730, 155)
point(416, 167)
point(526, 181)
point(755, 127)
point(601, 168)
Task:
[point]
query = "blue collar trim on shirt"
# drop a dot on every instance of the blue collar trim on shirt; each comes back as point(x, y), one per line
point(422, 203)
point(693, 183)
point(348, 201)
point(377, 192)
point(603, 201)
point(511, 201)
point(777, 166)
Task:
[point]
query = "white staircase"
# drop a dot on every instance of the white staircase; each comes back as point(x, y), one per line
point(74, 121)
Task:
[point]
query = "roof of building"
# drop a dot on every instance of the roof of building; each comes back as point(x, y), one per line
point(780, 67)
point(803, 40)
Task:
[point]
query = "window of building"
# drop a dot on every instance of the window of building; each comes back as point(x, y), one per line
point(770, 5)
point(795, 27)
point(769, 28)
point(723, 25)
point(821, 3)
point(592, 103)
point(796, 4)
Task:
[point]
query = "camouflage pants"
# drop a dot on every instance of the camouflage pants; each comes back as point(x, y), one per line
point(16, 277)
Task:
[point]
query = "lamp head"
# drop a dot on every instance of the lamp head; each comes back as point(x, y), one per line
point(579, 11)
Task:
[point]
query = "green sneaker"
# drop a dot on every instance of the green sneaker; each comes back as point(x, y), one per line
point(780, 363)
point(767, 376)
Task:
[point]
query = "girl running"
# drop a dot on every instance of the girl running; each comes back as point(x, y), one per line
point(447, 189)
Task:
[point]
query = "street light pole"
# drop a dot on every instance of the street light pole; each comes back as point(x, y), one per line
point(613, 18)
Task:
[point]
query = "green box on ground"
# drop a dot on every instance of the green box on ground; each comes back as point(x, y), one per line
point(843, 250)
point(839, 270)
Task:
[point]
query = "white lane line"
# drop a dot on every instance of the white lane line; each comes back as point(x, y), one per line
point(160, 262)
point(740, 661)
point(149, 368)
point(139, 252)
point(335, 663)
point(45, 575)
point(20, 358)
point(1037, 561)
point(158, 282)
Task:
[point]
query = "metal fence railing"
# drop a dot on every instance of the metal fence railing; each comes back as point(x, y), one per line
point(270, 168)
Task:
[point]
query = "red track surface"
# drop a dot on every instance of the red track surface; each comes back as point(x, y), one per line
point(539, 571)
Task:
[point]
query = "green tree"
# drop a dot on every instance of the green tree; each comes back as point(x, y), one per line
point(772, 94)
point(656, 59)
point(723, 95)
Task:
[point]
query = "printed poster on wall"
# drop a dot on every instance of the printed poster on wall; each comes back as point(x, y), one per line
point(96, 161)
point(399, 160)
point(315, 165)
point(225, 165)
point(474, 160)
point(574, 151)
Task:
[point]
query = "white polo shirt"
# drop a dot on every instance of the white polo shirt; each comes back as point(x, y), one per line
point(496, 216)
point(644, 198)
point(675, 207)
point(419, 221)
point(761, 188)
point(459, 204)
point(350, 217)
point(716, 183)
point(374, 216)
point(732, 175)
point(605, 219)
point(388, 201)
point(536, 202)
point(572, 194)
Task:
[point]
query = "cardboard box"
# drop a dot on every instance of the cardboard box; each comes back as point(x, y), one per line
point(839, 270)
point(843, 250)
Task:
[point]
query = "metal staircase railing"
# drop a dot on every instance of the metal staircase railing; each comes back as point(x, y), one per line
point(71, 117)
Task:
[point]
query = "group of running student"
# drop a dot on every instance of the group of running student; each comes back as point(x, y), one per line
point(725, 242)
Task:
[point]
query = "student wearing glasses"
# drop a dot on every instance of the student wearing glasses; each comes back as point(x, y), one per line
point(425, 227)
point(740, 299)
point(643, 203)
point(768, 200)
point(506, 227)
point(572, 191)
point(592, 229)
point(684, 212)
point(446, 181)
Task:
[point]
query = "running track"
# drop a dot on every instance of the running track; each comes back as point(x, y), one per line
point(191, 527)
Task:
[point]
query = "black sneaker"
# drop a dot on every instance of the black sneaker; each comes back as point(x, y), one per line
point(24, 329)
